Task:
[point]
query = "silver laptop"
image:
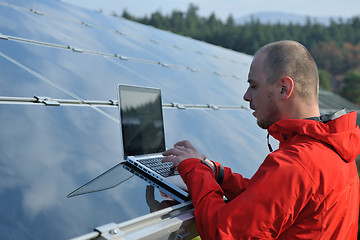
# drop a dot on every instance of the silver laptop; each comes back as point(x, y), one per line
point(170, 192)
point(142, 134)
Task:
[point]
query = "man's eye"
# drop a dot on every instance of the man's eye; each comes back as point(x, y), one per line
point(252, 86)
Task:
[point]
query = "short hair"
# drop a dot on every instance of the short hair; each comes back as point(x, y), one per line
point(290, 58)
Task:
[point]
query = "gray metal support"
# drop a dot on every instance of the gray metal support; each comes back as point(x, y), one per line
point(175, 223)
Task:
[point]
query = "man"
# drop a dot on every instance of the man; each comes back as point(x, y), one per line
point(308, 188)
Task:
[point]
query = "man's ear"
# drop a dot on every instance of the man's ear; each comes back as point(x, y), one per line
point(286, 88)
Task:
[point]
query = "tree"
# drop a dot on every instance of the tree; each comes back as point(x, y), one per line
point(351, 87)
point(157, 20)
point(352, 55)
point(125, 14)
point(328, 56)
point(192, 20)
point(177, 22)
point(325, 77)
point(230, 22)
point(229, 33)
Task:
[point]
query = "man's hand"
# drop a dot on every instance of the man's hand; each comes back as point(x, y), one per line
point(182, 150)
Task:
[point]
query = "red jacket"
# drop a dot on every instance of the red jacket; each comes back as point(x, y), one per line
point(307, 189)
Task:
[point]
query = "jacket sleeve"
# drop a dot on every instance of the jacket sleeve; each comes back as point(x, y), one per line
point(233, 183)
point(266, 205)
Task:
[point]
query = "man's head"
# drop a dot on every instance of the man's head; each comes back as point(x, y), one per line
point(283, 83)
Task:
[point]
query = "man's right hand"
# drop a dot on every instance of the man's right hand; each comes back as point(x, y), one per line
point(181, 151)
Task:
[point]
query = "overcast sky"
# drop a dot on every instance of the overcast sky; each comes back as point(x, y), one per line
point(223, 8)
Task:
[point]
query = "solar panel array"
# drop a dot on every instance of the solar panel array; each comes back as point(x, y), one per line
point(60, 66)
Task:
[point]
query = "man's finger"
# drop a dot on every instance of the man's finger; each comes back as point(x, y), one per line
point(185, 144)
point(172, 159)
point(169, 158)
point(172, 151)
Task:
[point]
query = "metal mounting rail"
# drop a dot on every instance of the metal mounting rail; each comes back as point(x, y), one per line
point(115, 55)
point(48, 101)
point(111, 103)
point(175, 222)
point(55, 102)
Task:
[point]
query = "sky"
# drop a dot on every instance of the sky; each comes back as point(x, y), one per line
point(223, 8)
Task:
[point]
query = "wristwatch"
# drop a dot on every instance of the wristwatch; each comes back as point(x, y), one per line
point(219, 171)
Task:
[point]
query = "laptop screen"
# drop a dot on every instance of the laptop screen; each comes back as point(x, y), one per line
point(141, 120)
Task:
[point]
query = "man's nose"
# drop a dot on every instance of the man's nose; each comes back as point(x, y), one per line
point(246, 96)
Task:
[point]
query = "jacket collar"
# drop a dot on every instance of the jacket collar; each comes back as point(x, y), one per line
point(329, 117)
point(338, 130)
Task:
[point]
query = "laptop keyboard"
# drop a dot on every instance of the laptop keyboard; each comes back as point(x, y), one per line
point(164, 169)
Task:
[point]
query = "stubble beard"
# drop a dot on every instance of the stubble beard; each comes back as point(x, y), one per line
point(271, 116)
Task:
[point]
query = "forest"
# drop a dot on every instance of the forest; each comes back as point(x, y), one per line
point(335, 46)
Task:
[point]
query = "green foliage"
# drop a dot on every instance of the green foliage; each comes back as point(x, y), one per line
point(351, 88)
point(253, 34)
point(324, 78)
point(328, 56)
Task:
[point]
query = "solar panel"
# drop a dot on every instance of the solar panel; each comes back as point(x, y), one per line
point(72, 59)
